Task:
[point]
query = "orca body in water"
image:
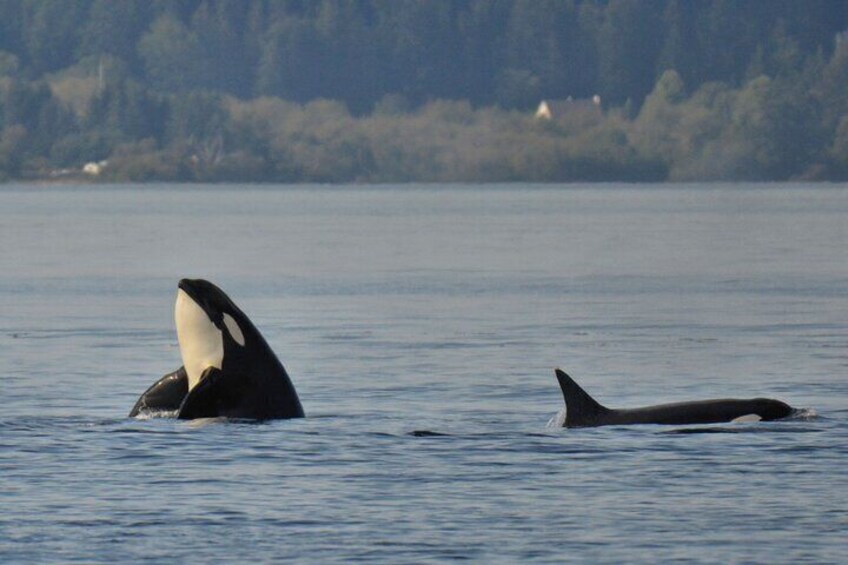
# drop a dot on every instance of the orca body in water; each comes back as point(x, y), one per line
point(584, 411)
point(229, 370)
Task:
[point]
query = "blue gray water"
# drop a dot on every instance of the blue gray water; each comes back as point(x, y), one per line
point(406, 308)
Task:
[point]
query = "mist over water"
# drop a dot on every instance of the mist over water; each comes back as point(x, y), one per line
point(420, 326)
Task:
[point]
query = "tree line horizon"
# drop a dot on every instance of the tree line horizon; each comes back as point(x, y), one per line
point(423, 91)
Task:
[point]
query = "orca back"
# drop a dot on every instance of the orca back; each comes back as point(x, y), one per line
point(582, 410)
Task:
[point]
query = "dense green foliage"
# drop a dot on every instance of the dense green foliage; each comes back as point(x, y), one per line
point(396, 90)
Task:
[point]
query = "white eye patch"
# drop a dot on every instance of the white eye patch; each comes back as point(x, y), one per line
point(234, 329)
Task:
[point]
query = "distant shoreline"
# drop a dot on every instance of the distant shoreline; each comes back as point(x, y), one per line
point(398, 92)
point(415, 185)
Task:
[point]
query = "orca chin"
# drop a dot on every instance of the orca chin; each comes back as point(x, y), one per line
point(581, 410)
point(229, 370)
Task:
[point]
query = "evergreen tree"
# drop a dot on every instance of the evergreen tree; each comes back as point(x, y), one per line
point(628, 46)
point(52, 33)
point(172, 55)
point(113, 28)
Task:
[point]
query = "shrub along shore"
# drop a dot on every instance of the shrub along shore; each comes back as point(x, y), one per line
point(757, 132)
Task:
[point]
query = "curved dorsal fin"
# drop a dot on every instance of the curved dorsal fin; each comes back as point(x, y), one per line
point(580, 408)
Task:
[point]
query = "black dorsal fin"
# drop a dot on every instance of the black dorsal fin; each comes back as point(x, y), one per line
point(580, 408)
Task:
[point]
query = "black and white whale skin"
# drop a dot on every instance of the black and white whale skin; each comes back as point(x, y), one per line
point(584, 411)
point(228, 368)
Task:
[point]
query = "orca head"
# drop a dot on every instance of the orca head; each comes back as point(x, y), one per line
point(209, 325)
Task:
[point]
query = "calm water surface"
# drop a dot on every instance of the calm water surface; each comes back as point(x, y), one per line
point(440, 309)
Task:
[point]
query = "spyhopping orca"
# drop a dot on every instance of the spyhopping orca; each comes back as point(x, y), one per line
point(228, 368)
point(583, 411)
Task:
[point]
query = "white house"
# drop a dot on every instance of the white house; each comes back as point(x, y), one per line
point(552, 109)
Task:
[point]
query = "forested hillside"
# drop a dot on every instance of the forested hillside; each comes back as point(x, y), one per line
point(396, 90)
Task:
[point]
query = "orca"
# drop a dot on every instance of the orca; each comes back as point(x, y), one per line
point(229, 370)
point(581, 410)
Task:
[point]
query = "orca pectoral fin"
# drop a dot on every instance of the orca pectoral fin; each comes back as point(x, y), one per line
point(580, 408)
point(215, 395)
point(166, 394)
